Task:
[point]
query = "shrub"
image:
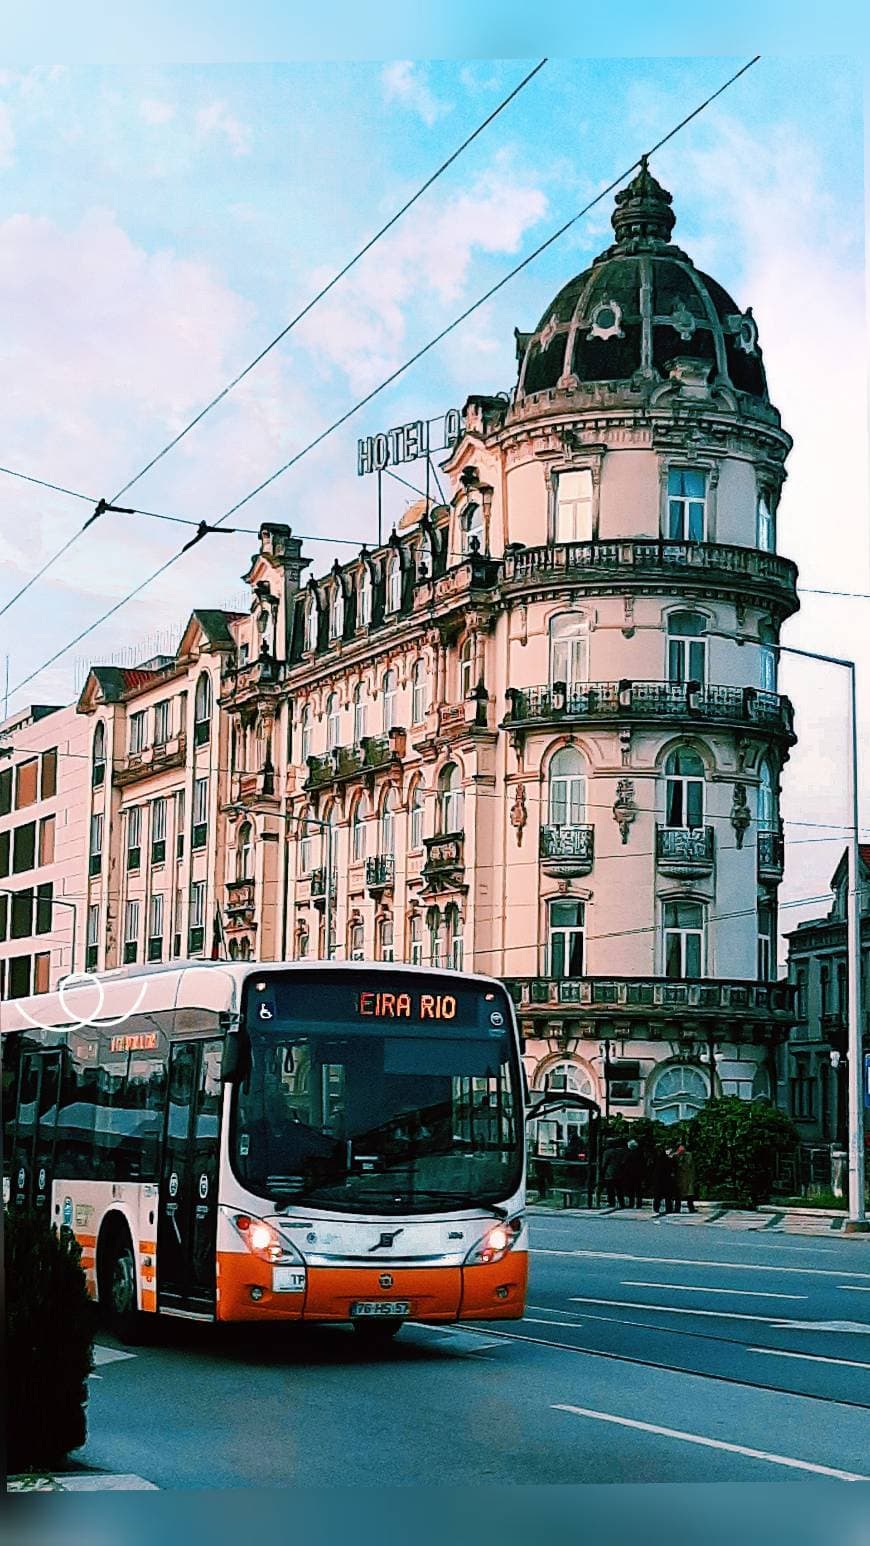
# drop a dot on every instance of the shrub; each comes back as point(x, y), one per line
point(736, 1144)
point(50, 1323)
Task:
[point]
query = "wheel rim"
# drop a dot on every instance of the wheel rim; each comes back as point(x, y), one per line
point(123, 1286)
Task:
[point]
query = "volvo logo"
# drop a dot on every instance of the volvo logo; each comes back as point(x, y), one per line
point(386, 1240)
point(385, 1280)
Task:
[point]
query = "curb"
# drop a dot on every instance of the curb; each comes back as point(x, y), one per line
point(84, 1482)
point(771, 1219)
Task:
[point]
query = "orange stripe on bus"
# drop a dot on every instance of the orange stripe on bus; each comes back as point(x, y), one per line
point(147, 1246)
point(85, 1240)
point(149, 1299)
point(148, 1274)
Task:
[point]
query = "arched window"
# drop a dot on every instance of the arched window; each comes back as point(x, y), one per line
point(567, 789)
point(359, 713)
point(415, 939)
point(687, 647)
point(766, 798)
point(245, 950)
point(356, 940)
point(418, 806)
point(202, 710)
point(234, 950)
point(471, 526)
point(305, 735)
point(244, 852)
point(466, 668)
point(419, 694)
point(684, 791)
point(307, 847)
point(311, 622)
point(387, 836)
point(98, 776)
point(364, 598)
point(433, 927)
point(569, 649)
point(767, 657)
point(394, 582)
point(564, 1133)
point(388, 687)
point(451, 800)
point(455, 944)
point(678, 1093)
point(336, 610)
point(333, 721)
point(359, 830)
point(385, 938)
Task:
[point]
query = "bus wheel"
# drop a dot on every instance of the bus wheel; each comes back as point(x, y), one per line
point(373, 1333)
point(117, 1287)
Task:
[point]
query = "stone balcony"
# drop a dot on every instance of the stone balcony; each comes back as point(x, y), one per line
point(380, 873)
point(652, 1007)
point(251, 788)
point(627, 701)
point(150, 761)
point(684, 850)
point(241, 685)
point(566, 851)
point(747, 570)
point(444, 865)
point(240, 903)
point(372, 753)
point(771, 857)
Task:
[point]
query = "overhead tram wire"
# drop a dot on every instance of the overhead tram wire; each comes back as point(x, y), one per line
point(315, 299)
point(400, 371)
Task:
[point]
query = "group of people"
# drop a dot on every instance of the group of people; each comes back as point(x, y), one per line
point(626, 1179)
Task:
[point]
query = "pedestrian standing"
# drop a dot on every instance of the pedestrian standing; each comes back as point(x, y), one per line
point(686, 1186)
point(634, 1175)
point(613, 1173)
point(664, 1181)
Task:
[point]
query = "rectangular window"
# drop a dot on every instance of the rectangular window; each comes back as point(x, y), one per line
point(687, 504)
point(42, 972)
point(196, 935)
point(25, 783)
point(131, 930)
point(48, 780)
point(687, 648)
point(46, 840)
point(96, 861)
point(684, 939)
point(44, 898)
point(24, 848)
point(566, 938)
point(179, 824)
point(200, 812)
point(765, 942)
point(19, 976)
point(385, 939)
point(825, 988)
point(93, 939)
point(22, 915)
point(158, 832)
point(5, 791)
point(155, 928)
point(134, 837)
point(4, 918)
point(801, 982)
point(137, 732)
point(765, 532)
point(161, 722)
point(5, 850)
point(574, 506)
point(357, 942)
point(415, 932)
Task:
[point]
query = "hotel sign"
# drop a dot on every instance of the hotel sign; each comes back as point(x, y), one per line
point(406, 443)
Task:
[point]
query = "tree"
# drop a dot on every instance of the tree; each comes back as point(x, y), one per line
point(50, 1323)
point(736, 1145)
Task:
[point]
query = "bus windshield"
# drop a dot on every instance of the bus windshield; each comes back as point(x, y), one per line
point(378, 1100)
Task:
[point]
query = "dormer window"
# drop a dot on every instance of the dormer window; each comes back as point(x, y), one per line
point(336, 611)
point(311, 620)
point(574, 506)
point(471, 525)
point(394, 582)
point(364, 601)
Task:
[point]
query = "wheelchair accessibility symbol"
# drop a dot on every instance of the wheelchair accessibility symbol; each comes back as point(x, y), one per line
point(173, 1184)
point(203, 1186)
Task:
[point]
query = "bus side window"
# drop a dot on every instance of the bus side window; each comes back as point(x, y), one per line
point(145, 1098)
point(11, 1053)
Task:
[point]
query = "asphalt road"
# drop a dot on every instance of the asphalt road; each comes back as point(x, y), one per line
point(651, 1351)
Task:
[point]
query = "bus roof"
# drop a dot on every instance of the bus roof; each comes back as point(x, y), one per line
point(116, 995)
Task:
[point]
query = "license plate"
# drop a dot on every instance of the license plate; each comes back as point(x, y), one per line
point(288, 1280)
point(380, 1307)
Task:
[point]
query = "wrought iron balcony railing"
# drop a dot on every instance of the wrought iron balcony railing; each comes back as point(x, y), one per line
point(567, 850)
point(640, 997)
point(380, 872)
point(372, 752)
point(445, 856)
point(684, 850)
point(649, 701)
point(583, 560)
point(771, 855)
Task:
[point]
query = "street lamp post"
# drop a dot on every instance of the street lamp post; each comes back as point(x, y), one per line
point(56, 901)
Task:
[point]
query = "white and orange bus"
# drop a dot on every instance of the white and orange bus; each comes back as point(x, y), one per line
point(302, 1142)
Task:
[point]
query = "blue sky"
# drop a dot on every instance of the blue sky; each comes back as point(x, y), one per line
point(160, 222)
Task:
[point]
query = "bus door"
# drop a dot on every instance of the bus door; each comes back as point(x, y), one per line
point(187, 1213)
point(32, 1166)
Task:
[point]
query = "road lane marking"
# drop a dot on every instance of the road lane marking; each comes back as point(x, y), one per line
point(109, 1355)
point(707, 1443)
point(858, 1328)
point(779, 1352)
point(536, 1320)
point(681, 1309)
point(853, 1288)
point(691, 1261)
point(695, 1288)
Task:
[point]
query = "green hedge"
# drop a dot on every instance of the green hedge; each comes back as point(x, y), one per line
point(50, 1324)
point(735, 1144)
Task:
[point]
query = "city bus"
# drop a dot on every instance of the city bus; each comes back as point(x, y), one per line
point(312, 1142)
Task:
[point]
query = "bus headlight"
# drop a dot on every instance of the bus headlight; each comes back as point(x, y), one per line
point(264, 1240)
point(495, 1244)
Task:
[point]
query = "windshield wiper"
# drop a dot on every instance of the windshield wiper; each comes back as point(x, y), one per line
point(462, 1200)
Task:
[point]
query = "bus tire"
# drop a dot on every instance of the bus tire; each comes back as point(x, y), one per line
point(374, 1333)
point(116, 1282)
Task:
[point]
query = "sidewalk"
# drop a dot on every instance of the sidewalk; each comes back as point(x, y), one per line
point(790, 1221)
point(80, 1481)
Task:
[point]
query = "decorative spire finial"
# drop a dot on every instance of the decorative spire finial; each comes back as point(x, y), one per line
point(643, 209)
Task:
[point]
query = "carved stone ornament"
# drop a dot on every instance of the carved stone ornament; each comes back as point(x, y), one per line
point(740, 813)
point(606, 320)
point(547, 334)
point(683, 321)
point(519, 815)
point(624, 808)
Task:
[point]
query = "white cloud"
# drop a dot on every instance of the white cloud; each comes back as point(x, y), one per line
point(404, 82)
point(153, 111)
point(216, 120)
point(7, 136)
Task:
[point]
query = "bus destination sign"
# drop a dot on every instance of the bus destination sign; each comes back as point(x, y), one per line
point(406, 443)
point(407, 1006)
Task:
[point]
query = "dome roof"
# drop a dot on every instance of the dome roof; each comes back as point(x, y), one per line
point(642, 313)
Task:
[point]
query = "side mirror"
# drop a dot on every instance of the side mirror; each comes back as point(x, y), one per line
point(232, 1059)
